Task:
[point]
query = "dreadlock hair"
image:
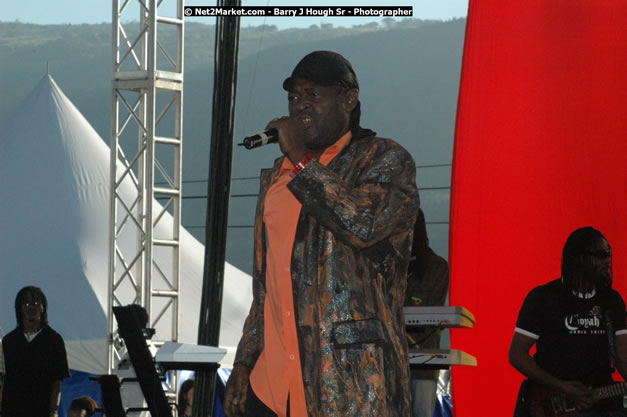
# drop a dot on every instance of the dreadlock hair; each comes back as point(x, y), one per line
point(84, 404)
point(182, 403)
point(576, 245)
point(36, 294)
point(353, 123)
point(140, 314)
point(420, 246)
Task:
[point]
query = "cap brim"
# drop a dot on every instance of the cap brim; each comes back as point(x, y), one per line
point(287, 84)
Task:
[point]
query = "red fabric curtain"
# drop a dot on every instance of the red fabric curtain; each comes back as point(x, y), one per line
point(540, 150)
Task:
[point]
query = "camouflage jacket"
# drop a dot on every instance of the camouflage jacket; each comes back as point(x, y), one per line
point(349, 265)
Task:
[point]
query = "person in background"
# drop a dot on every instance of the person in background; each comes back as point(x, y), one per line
point(427, 285)
point(186, 398)
point(35, 360)
point(577, 323)
point(82, 407)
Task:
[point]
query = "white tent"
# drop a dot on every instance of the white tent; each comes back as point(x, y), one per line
point(54, 202)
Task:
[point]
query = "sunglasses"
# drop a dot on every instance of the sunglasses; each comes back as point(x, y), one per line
point(31, 304)
point(601, 253)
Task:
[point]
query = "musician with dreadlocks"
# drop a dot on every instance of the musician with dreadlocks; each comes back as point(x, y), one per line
point(577, 323)
point(325, 335)
point(35, 360)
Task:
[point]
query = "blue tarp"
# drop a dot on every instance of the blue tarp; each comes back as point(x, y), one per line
point(443, 406)
point(79, 385)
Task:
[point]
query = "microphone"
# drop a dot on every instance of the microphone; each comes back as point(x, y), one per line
point(260, 139)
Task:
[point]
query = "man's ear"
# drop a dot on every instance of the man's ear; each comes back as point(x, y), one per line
point(352, 97)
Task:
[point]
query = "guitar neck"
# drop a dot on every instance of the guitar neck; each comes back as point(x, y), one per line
point(608, 391)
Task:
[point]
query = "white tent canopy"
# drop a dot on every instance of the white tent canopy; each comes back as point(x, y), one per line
point(54, 225)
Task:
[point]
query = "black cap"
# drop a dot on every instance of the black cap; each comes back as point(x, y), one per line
point(324, 68)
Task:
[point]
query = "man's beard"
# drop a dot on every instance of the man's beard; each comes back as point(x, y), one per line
point(599, 279)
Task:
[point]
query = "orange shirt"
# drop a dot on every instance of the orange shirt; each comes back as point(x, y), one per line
point(277, 372)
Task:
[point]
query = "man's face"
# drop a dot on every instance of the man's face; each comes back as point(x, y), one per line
point(323, 110)
point(190, 396)
point(598, 262)
point(32, 308)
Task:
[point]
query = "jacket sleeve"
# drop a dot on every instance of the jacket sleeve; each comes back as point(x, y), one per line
point(383, 200)
point(251, 343)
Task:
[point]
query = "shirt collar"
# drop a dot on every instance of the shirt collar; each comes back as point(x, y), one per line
point(582, 295)
point(328, 154)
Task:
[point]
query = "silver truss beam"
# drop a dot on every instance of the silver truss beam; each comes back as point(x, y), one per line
point(147, 125)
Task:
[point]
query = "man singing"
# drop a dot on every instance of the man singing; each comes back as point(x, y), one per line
point(577, 323)
point(333, 231)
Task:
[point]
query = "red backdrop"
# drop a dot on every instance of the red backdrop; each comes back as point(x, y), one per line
point(541, 149)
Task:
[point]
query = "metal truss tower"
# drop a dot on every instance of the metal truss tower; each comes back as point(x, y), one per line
point(146, 165)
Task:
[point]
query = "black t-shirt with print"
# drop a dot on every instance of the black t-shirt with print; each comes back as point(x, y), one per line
point(30, 369)
point(571, 332)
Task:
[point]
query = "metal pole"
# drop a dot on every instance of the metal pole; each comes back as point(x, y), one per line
point(219, 188)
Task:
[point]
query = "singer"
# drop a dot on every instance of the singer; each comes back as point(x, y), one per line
point(333, 231)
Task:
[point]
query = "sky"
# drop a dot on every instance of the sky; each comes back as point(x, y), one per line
point(99, 11)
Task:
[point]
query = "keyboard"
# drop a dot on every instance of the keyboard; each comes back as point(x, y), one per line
point(174, 355)
point(443, 316)
point(440, 358)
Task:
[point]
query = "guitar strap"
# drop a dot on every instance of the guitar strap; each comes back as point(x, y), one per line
point(609, 329)
point(522, 408)
point(607, 321)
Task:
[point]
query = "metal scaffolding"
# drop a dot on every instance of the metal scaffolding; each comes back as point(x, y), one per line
point(146, 165)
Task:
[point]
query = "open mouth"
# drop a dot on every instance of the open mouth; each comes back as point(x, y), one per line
point(306, 121)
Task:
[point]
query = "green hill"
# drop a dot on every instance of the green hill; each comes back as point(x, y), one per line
point(408, 73)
